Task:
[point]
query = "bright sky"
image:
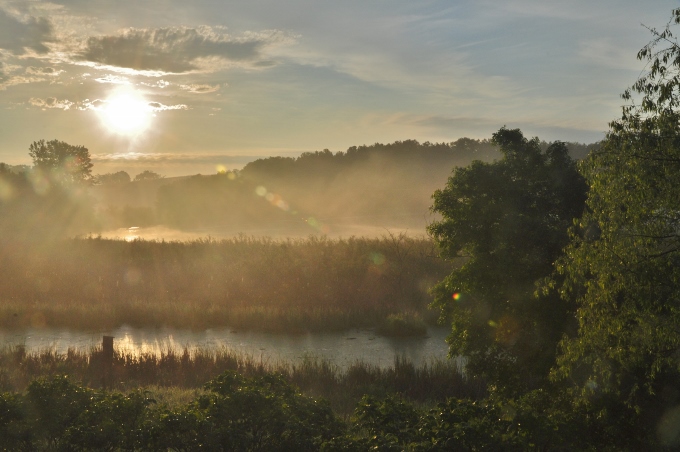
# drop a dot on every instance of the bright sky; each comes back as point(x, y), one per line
point(181, 86)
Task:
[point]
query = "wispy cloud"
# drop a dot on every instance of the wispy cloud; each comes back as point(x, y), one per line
point(155, 158)
point(178, 49)
point(46, 71)
point(157, 84)
point(11, 75)
point(157, 106)
point(200, 89)
point(113, 79)
point(51, 102)
point(96, 104)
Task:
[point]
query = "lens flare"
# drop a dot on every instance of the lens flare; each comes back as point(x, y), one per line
point(6, 190)
point(456, 296)
point(377, 258)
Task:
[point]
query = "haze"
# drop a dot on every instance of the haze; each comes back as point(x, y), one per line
point(184, 88)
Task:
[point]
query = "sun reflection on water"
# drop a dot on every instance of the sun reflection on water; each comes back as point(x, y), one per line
point(339, 348)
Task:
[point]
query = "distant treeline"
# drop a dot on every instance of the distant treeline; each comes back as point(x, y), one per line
point(382, 184)
point(386, 185)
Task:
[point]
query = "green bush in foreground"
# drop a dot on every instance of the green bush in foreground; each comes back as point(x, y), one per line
point(238, 413)
point(266, 413)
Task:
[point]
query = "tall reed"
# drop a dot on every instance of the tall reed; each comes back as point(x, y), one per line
point(277, 285)
point(427, 384)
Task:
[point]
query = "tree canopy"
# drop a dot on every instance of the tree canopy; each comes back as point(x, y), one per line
point(508, 221)
point(147, 175)
point(61, 161)
point(119, 177)
point(623, 263)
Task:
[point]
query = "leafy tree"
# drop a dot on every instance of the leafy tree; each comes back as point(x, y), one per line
point(623, 264)
point(147, 175)
point(112, 178)
point(508, 221)
point(61, 161)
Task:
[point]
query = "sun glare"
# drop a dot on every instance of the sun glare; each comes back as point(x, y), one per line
point(126, 113)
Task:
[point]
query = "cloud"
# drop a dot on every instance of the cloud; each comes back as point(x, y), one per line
point(156, 158)
point(98, 104)
point(19, 34)
point(200, 89)
point(178, 49)
point(51, 102)
point(46, 71)
point(113, 79)
point(157, 84)
point(480, 127)
point(9, 76)
point(157, 106)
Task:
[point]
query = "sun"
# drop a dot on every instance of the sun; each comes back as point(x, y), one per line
point(126, 113)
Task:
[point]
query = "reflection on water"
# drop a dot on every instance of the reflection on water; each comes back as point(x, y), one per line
point(341, 349)
point(334, 230)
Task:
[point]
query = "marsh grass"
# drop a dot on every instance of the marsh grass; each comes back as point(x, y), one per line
point(293, 285)
point(176, 376)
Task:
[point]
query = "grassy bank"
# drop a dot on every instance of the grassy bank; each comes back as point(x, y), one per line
point(426, 384)
point(291, 285)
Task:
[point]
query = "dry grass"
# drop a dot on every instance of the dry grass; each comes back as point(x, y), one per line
point(309, 284)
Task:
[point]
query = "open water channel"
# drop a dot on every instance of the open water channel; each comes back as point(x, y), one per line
point(340, 348)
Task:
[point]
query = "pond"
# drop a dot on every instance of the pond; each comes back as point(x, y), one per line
point(340, 348)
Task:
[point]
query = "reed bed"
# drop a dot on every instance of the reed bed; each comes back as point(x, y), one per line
point(293, 285)
point(170, 372)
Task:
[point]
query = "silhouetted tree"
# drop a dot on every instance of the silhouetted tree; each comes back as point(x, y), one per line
point(112, 178)
point(147, 175)
point(61, 162)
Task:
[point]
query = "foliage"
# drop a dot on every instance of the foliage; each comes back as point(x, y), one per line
point(119, 177)
point(509, 220)
point(623, 263)
point(261, 413)
point(147, 175)
point(61, 162)
point(265, 412)
point(48, 201)
point(14, 430)
point(186, 371)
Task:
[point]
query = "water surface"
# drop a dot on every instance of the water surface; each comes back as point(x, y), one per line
point(339, 348)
